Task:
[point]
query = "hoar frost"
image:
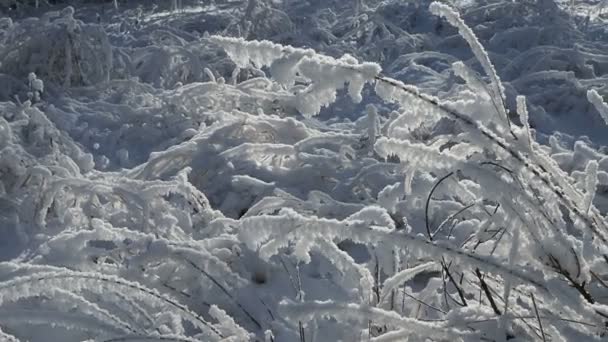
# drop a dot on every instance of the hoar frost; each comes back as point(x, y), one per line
point(324, 75)
point(153, 188)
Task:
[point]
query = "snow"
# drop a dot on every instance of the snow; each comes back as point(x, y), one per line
point(598, 103)
point(286, 170)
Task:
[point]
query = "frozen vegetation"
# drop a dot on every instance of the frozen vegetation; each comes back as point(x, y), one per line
point(291, 170)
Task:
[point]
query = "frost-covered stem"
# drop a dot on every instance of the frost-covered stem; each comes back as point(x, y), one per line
point(299, 277)
point(225, 291)
point(235, 75)
point(497, 90)
point(445, 288)
point(487, 292)
point(522, 110)
point(599, 104)
point(428, 204)
point(301, 331)
point(512, 261)
point(396, 265)
point(276, 226)
point(298, 290)
point(363, 314)
point(372, 124)
point(324, 75)
point(42, 277)
point(300, 298)
point(540, 323)
point(268, 310)
point(405, 293)
point(210, 74)
point(116, 4)
point(580, 287)
point(597, 224)
point(398, 278)
point(136, 307)
point(68, 62)
point(446, 269)
point(376, 279)
point(451, 218)
point(142, 338)
point(291, 280)
point(590, 184)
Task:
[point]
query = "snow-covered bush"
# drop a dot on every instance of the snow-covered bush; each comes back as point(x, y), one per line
point(482, 152)
point(58, 48)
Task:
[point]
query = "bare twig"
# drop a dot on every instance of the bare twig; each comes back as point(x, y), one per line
point(267, 308)
point(225, 291)
point(450, 218)
point(486, 290)
point(540, 324)
point(428, 202)
point(302, 334)
point(291, 280)
point(458, 288)
point(599, 279)
point(579, 287)
point(423, 303)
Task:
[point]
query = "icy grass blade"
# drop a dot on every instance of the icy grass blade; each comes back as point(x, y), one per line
point(30, 286)
point(590, 184)
point(363, 314)
point(497, 90)
point(522, 110)
point(399, 278)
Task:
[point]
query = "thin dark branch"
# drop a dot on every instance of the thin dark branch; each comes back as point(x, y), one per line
point(291, 280)
point(506, 169)
point(445, 289)
point(579, 287)
point(423, 303)
point(428, 202)
point(486, 290)
point(540, 324)
point(225, 291)
point(302, 334)
point(599, 279)
point(458, 289)
point(451, 217)
point(267, 308)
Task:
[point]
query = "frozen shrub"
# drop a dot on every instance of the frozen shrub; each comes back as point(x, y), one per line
point(58, 48)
